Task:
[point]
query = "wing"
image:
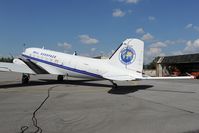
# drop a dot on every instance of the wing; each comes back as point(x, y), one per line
point(36, 68)
point(118, 77)
point(11, 67)
point(22, 66)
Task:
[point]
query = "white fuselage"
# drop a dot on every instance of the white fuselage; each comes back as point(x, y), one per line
point(69, 65)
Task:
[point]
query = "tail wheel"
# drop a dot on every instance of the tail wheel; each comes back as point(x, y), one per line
point(60, 77)
point(114, 84)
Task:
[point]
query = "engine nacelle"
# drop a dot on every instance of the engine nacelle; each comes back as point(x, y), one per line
point(18, 61)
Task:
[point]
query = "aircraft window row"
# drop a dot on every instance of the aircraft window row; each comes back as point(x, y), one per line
point(48, 55)
point(45, 58)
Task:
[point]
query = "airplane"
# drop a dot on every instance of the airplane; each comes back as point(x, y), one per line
point(125, 64)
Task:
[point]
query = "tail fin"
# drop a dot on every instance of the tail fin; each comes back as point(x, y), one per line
point(129, 55)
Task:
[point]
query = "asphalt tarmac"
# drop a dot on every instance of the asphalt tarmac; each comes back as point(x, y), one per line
point(84, 106)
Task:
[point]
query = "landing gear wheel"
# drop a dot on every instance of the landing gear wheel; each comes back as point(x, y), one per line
point(60, 78)
point(114, 85)
point(25, 78)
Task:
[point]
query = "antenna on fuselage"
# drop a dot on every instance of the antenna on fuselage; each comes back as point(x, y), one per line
point(24, 47)
point(43, 47)
point(75, 53)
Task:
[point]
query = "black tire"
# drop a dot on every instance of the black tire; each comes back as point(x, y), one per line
point(25, 78)
point(114, 85)
point(60, 78)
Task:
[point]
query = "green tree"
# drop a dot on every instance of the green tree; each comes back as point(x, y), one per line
point(6, 59)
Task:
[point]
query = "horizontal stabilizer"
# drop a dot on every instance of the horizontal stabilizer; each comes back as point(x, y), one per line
point(179, 77)
point(117, 77)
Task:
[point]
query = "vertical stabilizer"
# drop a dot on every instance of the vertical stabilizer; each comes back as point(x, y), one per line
point(129, 55)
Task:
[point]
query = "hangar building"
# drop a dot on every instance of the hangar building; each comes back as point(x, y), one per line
point(178, 65)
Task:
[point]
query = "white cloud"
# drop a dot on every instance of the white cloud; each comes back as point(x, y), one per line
point(130, 11)
point(173, 42)
point(129, 1)
point(151, 18)
point(196, 28)
point(86, 39)
point(192, 46)
point(93, 49)
point(177, 53)
point(118, 13)
point(147, 37)
point(151, 53)
point(64, 45)
point(140, 31)
point(154, 51)
point(132, 1)
point(191, 26)
point(158, 45)
point(188, 26)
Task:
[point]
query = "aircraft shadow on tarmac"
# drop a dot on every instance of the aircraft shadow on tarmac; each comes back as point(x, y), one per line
point(120, 90)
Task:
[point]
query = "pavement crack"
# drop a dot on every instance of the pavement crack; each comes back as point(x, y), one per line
point(184, 110)
point(34, 119)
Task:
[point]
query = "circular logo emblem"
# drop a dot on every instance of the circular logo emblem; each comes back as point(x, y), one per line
point(127, 55)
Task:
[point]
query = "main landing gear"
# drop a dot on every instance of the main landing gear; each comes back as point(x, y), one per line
point(60, 78)
point(25, 78)
point(114, 84)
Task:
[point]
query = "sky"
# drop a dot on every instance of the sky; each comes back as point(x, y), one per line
point(98, 27)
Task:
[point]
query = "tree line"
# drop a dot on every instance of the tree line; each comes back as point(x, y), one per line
point(6, 59)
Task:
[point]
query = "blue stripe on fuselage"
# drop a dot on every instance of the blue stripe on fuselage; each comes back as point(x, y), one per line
point(63, 67)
